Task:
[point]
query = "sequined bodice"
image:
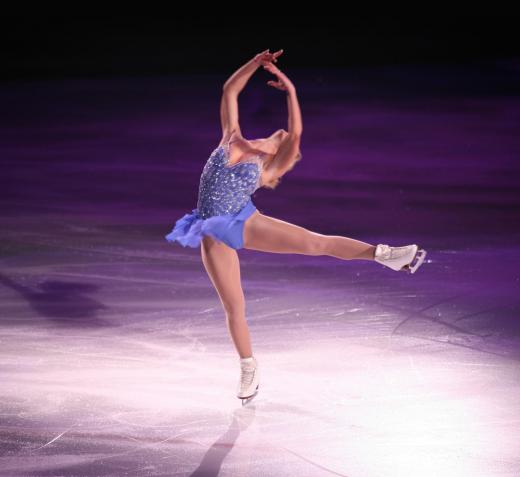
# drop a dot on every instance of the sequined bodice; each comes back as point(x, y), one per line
point(223, 188)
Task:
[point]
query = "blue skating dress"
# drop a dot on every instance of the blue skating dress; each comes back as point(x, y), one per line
point(224, 200)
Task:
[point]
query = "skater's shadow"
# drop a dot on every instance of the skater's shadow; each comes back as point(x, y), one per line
point(64, 303)
point(212, 461)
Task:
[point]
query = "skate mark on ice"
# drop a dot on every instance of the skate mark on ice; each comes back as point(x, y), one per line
point(55, 438)
point(315, 464)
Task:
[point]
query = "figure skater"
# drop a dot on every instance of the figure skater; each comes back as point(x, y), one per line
point(226, 219)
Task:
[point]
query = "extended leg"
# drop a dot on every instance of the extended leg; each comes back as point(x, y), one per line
point(268, 234)
point(223, 267)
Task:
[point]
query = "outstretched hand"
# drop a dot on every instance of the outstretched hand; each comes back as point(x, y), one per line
point(283, 83)
point(266, 57)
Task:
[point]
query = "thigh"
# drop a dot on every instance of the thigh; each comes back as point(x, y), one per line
point(268, 234)
point(223, 267)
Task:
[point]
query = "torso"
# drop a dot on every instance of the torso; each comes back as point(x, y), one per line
point(247, 151)
point(226, 184)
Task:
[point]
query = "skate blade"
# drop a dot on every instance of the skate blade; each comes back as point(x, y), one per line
point(416, 263)
point(248, 399)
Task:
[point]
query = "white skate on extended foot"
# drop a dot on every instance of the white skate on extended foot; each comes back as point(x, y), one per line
point(400, 258)
point(249, 380)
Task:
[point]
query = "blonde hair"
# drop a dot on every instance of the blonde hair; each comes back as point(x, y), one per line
point(273, 183)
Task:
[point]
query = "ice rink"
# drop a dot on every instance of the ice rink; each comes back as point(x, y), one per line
point(115, 357)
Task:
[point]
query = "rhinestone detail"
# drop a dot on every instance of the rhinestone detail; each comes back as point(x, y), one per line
point(226, 189)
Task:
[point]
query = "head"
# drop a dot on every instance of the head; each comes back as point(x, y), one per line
point(270, 146)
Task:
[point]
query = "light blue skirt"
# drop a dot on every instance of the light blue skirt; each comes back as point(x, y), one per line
point(229, 228)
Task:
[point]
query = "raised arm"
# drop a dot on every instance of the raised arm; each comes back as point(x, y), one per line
point(289, 151)
point(234, 85)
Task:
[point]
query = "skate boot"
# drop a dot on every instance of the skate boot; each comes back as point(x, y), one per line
point(249, 379)
point(400, 258)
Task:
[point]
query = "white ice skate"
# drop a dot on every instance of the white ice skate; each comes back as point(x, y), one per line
point(249, 380)
point(400, 258)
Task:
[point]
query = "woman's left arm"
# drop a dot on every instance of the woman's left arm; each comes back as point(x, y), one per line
point(240, 77)
point(235, 84)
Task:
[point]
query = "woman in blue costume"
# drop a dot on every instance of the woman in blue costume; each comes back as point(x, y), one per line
point(226, 219)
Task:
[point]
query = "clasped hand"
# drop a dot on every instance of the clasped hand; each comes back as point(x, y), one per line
point(268, 60)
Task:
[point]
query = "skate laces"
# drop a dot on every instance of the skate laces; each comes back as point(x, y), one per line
point(388, 253)
point(383, 251)
point(246, 376)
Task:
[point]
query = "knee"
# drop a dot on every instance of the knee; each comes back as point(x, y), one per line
point(318, 244)
point(235, 309)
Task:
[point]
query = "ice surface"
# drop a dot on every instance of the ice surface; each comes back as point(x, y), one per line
point(115, 358)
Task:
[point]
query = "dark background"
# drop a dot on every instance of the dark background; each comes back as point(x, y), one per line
point(49, 45)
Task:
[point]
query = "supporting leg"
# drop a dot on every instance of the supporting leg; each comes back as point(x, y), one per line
point(223, 268)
